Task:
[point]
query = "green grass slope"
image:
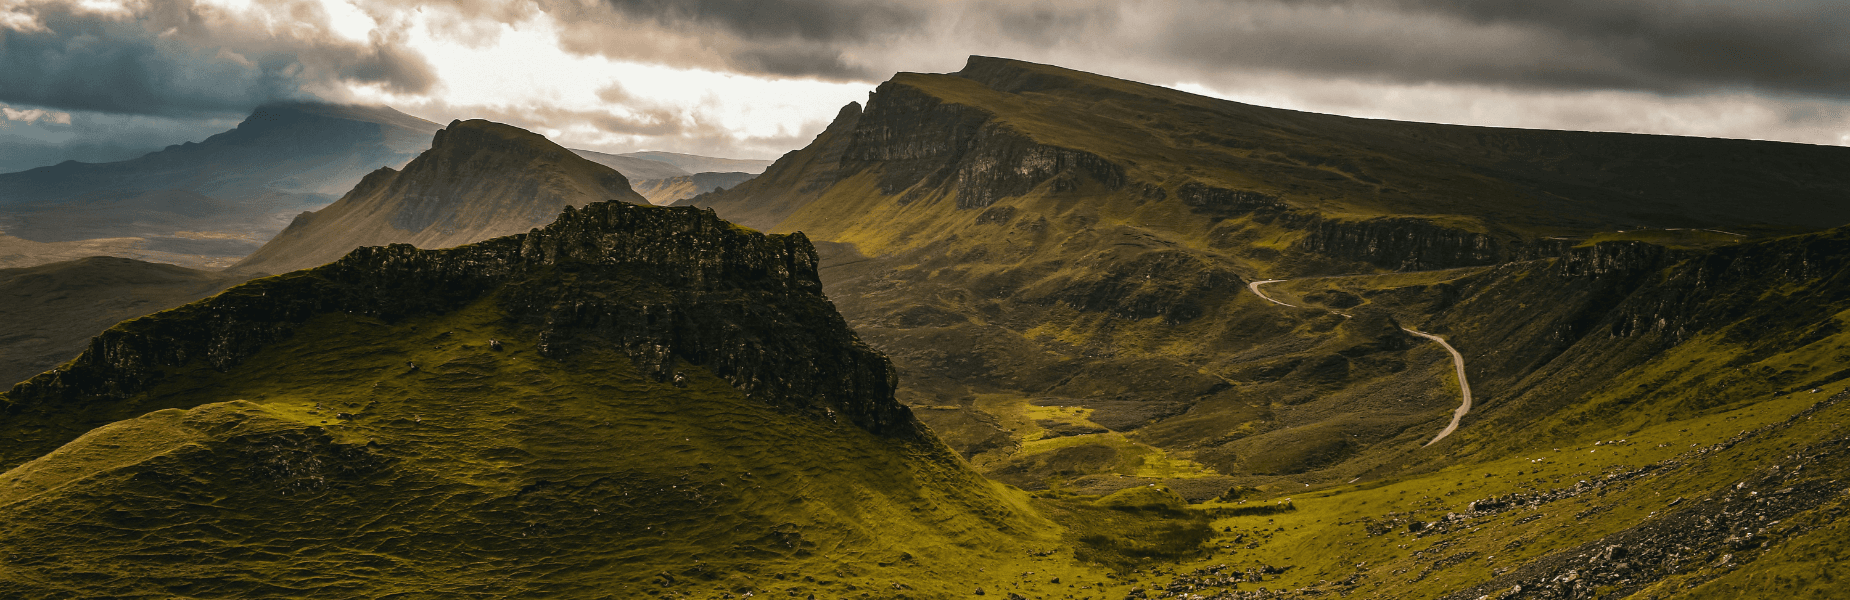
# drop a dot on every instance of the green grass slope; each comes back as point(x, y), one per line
point(324, 467)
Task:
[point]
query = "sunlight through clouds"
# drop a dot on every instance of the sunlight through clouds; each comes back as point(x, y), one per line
point(525, 77)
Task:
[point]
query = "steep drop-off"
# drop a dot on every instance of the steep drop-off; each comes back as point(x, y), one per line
point(479, 180)
point(629, 400)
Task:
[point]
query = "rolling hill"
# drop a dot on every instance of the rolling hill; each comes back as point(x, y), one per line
point(703, 164)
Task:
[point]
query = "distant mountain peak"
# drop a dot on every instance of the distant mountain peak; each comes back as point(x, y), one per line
point(477, 135)
point(478, 180)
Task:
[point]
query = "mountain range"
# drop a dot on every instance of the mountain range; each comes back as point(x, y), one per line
point(1015, 331)
point(206, 203)
point(211, 203)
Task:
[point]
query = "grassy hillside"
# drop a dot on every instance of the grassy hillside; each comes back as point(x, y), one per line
point(606, 407)
point(326, 466)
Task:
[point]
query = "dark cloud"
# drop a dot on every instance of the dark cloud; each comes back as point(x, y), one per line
point(1668, 46)
point(792, 38)
point(834, 21)
point(1678, 45)
point(173, 59)
point(1662, 46)
point(118, 66)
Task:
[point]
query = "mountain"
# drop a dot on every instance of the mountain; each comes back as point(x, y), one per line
point(1021, 237)
point(629, 400)
point(1187, 369)
point(1090, 286)
point(208, 203)
point(53, 310)
point(667, 191)
point(703, 164)
point(477, 181)
point(1216, 155)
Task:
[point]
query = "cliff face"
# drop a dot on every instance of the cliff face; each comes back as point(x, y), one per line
point(1779, 292)
point(916, 139)
point(666, 286)
point(478, 180)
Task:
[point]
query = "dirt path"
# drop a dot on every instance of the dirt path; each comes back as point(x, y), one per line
point(1458, 361)
point(1254, 286)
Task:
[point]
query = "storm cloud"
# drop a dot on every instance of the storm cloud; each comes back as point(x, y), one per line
point(1668, 46)
point(179, 58)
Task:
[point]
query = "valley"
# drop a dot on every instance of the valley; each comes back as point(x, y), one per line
point(1458, 361)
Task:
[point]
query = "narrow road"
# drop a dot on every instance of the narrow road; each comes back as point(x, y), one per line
point(1458, 361)
point(1464, 386)
point(1255, 287)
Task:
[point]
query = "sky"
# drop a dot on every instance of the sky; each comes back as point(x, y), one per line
point(99, 80)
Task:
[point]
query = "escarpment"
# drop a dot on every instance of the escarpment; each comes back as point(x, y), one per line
point(1789, 284)
point(916, 139)
point(666, 286)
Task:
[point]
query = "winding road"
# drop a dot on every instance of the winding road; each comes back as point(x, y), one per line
point(1458, 361)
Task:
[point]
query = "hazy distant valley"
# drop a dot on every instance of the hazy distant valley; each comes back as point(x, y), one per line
point(1016, 331)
